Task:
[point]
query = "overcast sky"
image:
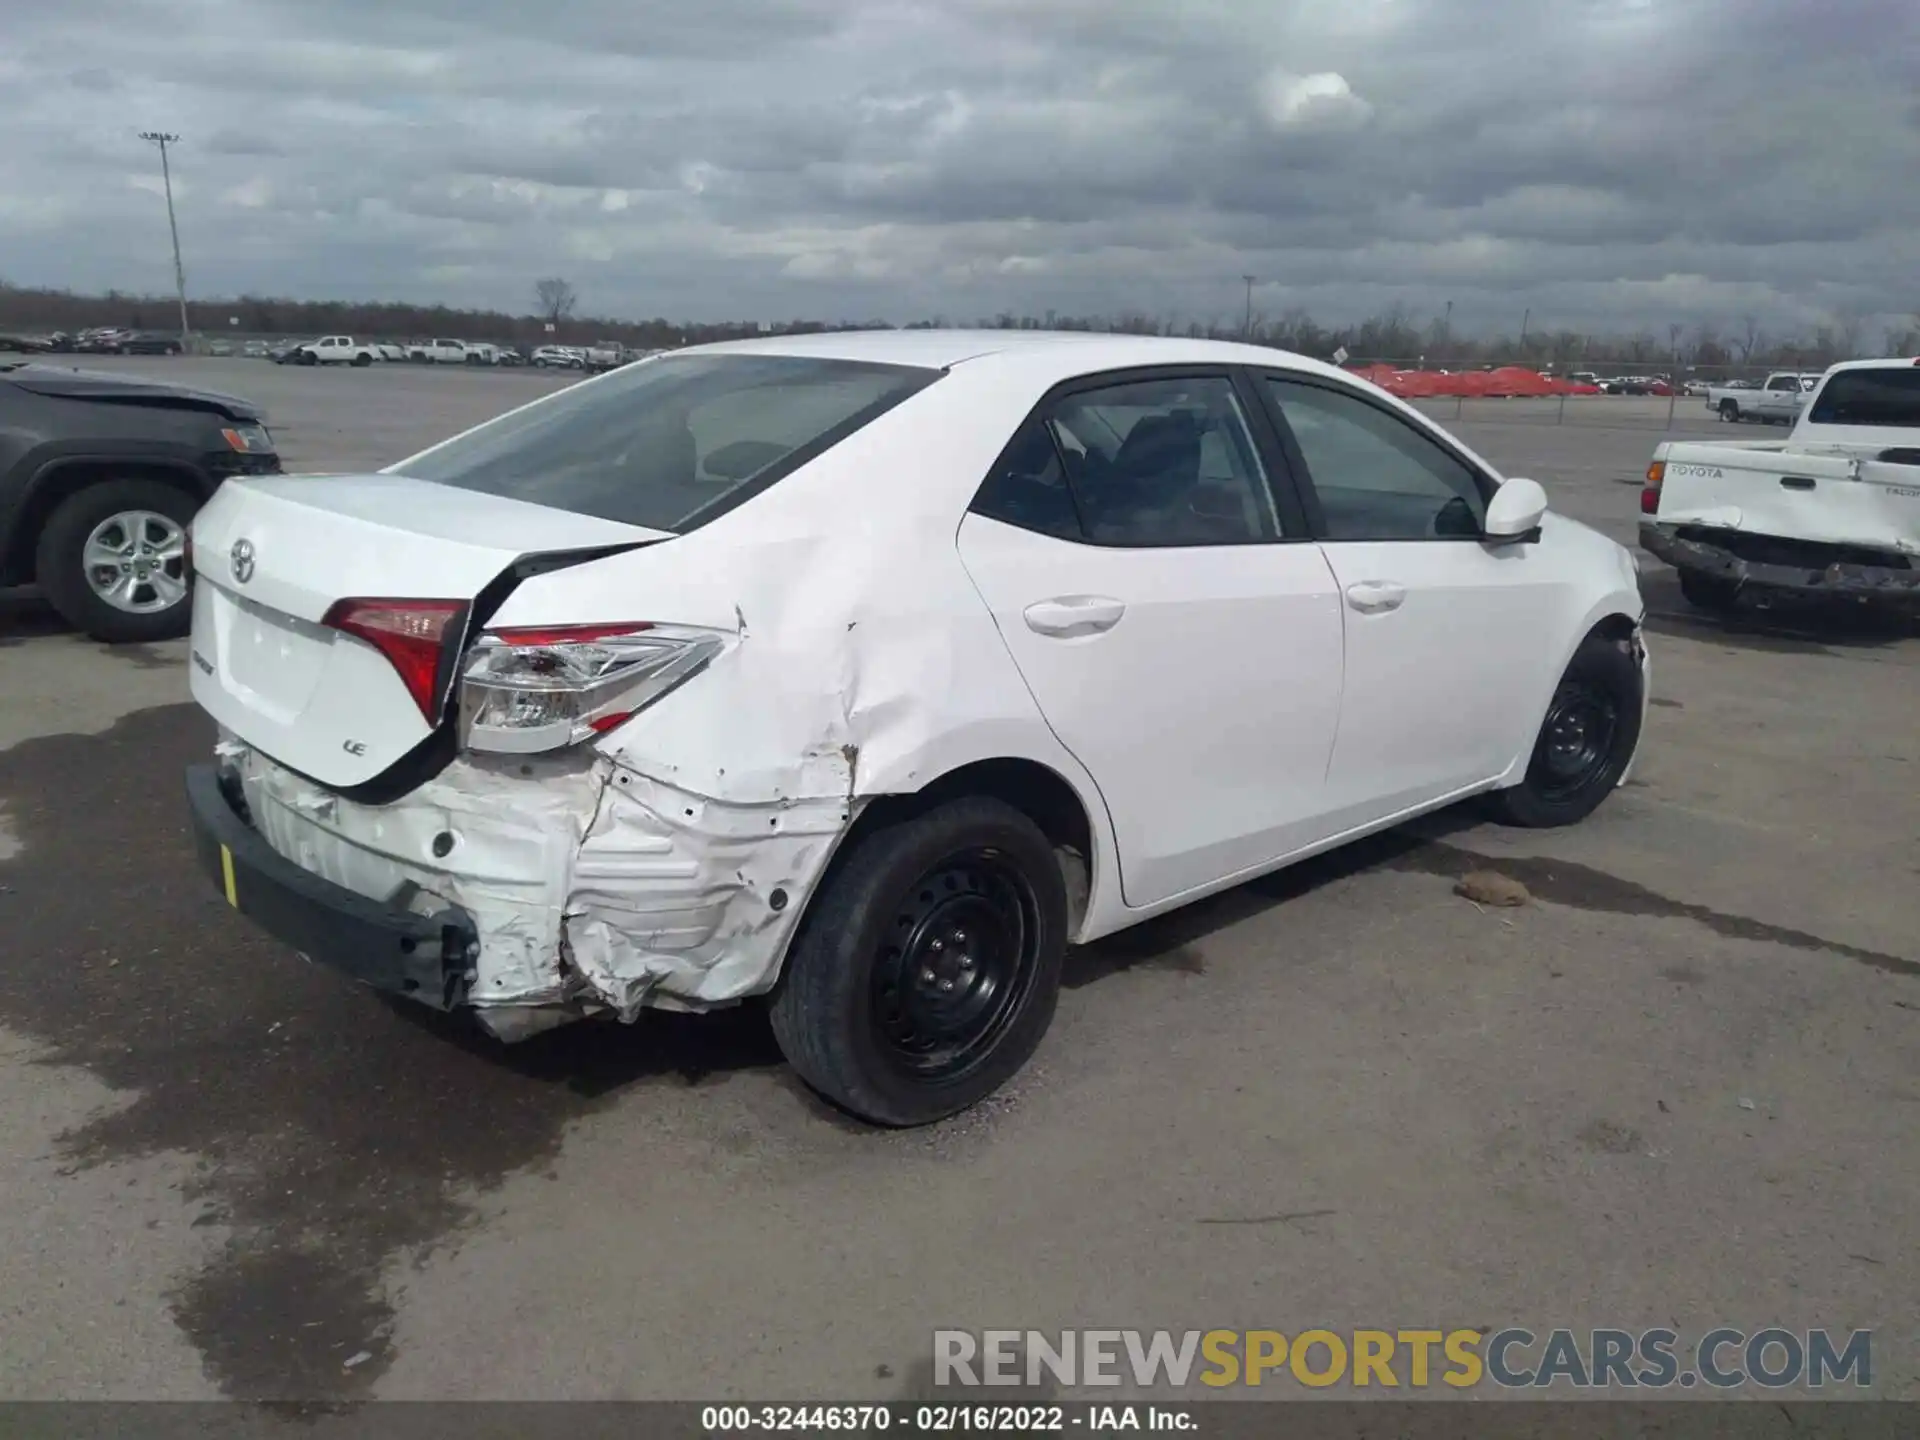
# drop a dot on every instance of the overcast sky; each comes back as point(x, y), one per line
point(1608, 163)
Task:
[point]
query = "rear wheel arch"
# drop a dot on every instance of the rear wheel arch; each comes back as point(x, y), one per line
point(59, 480)
point(1037, 791)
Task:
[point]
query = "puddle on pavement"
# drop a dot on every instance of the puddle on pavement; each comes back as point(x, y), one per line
point(333, 1134)
point(1580, 887)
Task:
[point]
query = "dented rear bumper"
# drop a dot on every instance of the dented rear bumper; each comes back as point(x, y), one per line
point(1804, 567)
point(428, 957)
point(530, 892)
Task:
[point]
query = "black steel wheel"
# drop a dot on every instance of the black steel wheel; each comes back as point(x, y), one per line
point(1586, 740)
point(1576, 741)
point(926, 971)
point(961, 958)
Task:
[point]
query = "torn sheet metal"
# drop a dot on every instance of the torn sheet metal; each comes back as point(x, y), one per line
point(591, 886)
point(496, 839)
point(683, 901)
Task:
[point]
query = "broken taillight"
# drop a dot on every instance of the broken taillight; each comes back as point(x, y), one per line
point(547, 687)
point(412, 635)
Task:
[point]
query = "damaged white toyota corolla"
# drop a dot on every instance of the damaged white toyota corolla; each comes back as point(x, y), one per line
point(867, 672)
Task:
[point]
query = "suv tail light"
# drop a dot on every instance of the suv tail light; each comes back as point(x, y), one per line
point(412, 634)
point(545, 688)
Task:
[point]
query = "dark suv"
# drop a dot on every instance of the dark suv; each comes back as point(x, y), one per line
point(100, 476)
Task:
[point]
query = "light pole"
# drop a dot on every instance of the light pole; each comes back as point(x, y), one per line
point(162, 139)
point(1246, 328)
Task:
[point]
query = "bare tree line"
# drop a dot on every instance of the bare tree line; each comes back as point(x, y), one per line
point(1396, 334)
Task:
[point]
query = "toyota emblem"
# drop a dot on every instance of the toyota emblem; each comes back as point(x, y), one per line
point(241, 558)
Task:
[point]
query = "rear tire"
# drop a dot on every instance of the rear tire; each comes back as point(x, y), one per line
point(1586, 741)
point(1711, 593)
point(927, 971)
point(61, 569)
point(362, 359)
point(1730, 411)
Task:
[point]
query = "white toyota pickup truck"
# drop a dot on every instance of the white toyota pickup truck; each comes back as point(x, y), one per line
point(1777, 401)
point(1833, 510)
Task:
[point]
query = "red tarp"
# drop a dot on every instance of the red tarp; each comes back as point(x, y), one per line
point(1507, 380)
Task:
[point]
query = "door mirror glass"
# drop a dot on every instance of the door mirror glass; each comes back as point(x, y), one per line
point(1515, 510)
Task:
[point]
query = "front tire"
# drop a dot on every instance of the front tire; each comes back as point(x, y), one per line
point(1586, 741)
point(112, 561)
point(926, 973)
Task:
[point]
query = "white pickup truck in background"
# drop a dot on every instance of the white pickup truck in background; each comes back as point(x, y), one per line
point(338, 350)
point(607, 355)
point(1776, 402)
point(439, 352)
point(1833, 510)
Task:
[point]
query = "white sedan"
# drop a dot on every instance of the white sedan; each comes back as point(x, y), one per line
point(867, 672)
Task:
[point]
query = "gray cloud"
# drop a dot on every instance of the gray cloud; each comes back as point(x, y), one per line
point(1607, 163)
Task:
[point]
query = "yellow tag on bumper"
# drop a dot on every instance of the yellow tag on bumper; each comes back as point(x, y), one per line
point(226, 875)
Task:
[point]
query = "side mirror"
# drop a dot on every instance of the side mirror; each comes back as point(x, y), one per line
point(1515, 510)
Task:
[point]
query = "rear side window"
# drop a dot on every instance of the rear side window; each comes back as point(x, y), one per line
point(1889, 398)
point(1028, 488)
point(669, 443)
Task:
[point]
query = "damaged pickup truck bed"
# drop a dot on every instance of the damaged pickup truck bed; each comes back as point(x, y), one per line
point(1833, 511)
point(866, 672)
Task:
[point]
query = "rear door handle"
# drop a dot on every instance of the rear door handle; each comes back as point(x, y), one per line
point(1374, 597)
point(1067, 616)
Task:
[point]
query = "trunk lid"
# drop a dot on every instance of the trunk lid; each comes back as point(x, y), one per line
point(272, 556)
point(1830, 499)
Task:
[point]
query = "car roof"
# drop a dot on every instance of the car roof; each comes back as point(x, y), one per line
point(1077, 351)
point(1888, 363)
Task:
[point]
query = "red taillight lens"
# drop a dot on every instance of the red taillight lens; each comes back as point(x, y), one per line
point(412, 635)
point(1650, 500)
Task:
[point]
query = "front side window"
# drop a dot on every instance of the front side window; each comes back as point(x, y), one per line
point(1376, 476)
point(1162, 463)
point(665, 443)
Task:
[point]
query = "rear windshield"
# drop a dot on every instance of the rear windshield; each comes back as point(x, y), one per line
point(671, 442)
point(1870, 397)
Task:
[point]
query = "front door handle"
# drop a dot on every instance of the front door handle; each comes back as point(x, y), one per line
point(1375, 597)
point(1068, 616)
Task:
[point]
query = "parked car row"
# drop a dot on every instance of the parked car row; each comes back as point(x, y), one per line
point(113, 341)
point(349, 350)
